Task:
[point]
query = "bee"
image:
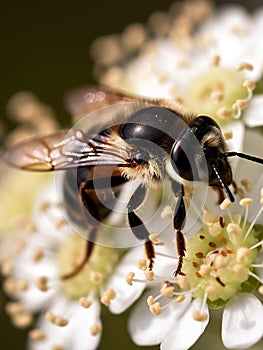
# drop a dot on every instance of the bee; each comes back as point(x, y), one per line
point(136, 138)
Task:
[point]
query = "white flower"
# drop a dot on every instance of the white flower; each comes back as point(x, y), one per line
point(208, 59)
point(34, 264)
point(223, 269)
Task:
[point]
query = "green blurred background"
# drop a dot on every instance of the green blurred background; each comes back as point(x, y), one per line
point(45, 49)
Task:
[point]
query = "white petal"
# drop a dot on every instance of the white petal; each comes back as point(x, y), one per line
point(148, 329)
point(126, 294)
point(186, 331)
point(82, 322)
point(254, 112)
point(242, 321)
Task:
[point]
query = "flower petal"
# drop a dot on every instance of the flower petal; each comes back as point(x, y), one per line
point(242, 321)
point(126, 294)
point(187, 330)
point(148, 329)
point(254, 112)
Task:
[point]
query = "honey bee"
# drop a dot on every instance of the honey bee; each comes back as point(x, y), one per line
point(136, 138)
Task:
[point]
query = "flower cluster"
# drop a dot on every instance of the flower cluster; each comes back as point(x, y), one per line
point(208, 59)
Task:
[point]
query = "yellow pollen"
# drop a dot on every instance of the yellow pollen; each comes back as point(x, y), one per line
point(246, 184)
point(246, 202)
point(199, 316)
point(85, 302)
point(41, 283)
point(56, 320)
point(225, 204)
point(150, 300)
point(142, 264)
point(235, 229)
point(96, 277)
point(95, 329)
point(224, 112)
point(149, 275)
point(38, 255)
point(180, 298)
point(37, 334)
point(249, 85)
point(242, 254)
point(156, 309)
point(228, 134)
point(129, 278)
point(241, 274)
point(244, 66)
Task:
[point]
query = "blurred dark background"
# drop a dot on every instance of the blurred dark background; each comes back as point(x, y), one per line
point(45, 49)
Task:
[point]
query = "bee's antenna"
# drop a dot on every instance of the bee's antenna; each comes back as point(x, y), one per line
point(243, 155)
point(224, 185)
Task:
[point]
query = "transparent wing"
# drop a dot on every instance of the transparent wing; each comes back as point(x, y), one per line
point(63, 150)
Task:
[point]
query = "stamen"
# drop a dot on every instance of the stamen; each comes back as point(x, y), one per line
point(108, 296)
point(95, 329)
point(142, 264)
point(7, 268)
point(85, 302)
point(41, 283)
point(225, 206)
point(254, 221)
point(244, 66)
point(260, 243)
point(23, 320)
point(199, 315)
point(215, 61)
point(56, 320)
point(156, 309)
point(37, 334)
point(38, 255)
point(246, 184)
point(245, 202)
point(149, 275)
point(260, 290)
point(96, 277)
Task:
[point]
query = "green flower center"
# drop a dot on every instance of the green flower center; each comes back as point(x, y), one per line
point(93, 275)
point(215, 89)
point(219, 260)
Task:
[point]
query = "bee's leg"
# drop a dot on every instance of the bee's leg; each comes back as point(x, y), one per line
point(178, 224)
point(93, 216)
point(136, 224)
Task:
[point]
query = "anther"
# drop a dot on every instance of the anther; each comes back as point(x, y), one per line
point(149, 275)
point(204, 270)
point(224, 112)
point(235, 229)
point(167, 290)
point(199, 255)
point(56, 320)
point(96, 277)
point(215, 61)
point(130, 277)
point(180, 298)
point(260, 290)
point(41, 283)
point(215, 229)
point(200, 316)
point(22, 320)
point(108, 296)
point(241, 274)
point(150, 300)
point(246, 184)
point(246, 202)
point(228, 134)
point(244, 66)
point(142, 264)
point(37, 334)
point(85, 302)
point(249, 85)
point(7, 268)
point(95, 329)
point(37, 255)
point(242, 254)
point(225, 204)
point(212, 244)
point(239, 105)
point(156, 309)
